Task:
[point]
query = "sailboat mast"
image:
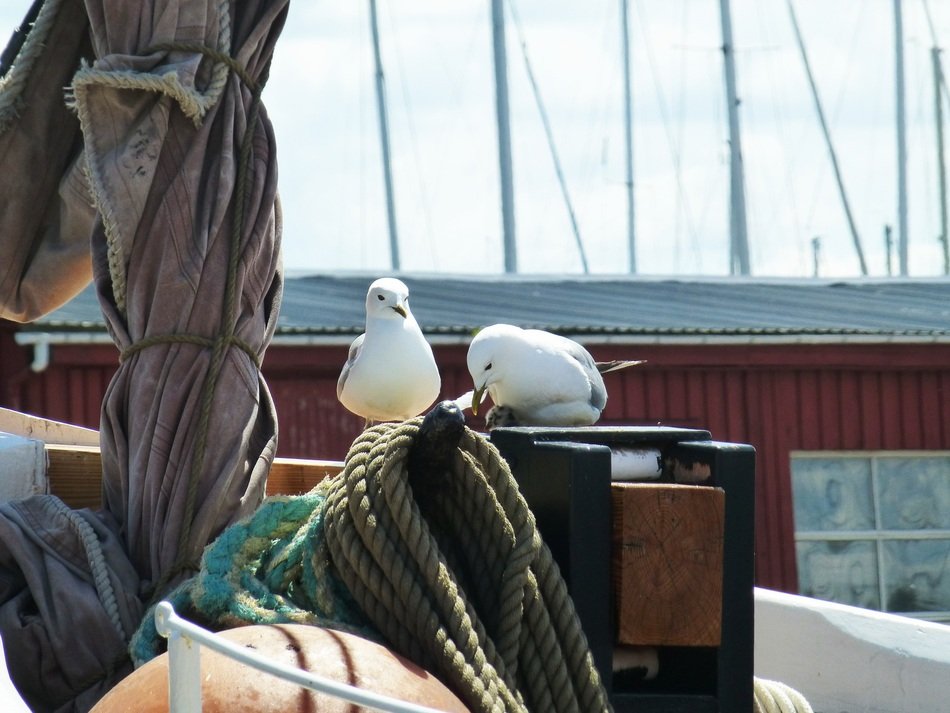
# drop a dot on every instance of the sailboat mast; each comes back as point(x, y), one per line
point(384, 139)
point(739, 242)
point(901, 140)
point(855, 238)
point(941, 162)
point(628, 135)
point(504, 135)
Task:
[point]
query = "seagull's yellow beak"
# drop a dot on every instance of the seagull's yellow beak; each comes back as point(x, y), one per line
point(477, 398)
point(401, 310)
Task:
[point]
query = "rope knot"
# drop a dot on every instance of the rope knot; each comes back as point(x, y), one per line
point(459, 579)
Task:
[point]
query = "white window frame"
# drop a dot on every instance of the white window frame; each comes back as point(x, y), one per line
point(877, 536)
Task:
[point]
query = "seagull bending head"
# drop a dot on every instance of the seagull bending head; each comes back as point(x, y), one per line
point(537, 378)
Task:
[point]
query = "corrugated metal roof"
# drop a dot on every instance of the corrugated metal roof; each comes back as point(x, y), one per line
point(323, 305)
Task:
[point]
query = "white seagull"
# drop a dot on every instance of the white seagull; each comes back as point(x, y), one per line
point(536, 378)
point(390, 373)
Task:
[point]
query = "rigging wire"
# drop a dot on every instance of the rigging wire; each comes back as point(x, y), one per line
point(781, 120)
point(363, 175)
point(665, 115)
point(414, 142)
point(467, 55)
point(549, 135)
point(680, 131)
point(940, 92)
point(598, 122)
point(936, 44)
point(818, 191)
point(831, 151)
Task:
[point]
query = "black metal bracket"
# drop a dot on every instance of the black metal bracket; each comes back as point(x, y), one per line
point(564, 475)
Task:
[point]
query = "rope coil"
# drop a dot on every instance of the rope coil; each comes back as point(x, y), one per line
point(471, 591)
point(777, 697)
point(453, 575)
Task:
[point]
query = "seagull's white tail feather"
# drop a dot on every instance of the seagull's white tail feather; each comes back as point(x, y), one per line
point(607, 366)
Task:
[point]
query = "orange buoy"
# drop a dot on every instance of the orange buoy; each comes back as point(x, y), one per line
point(228, 686)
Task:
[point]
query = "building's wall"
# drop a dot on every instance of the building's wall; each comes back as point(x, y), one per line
point(779, 398)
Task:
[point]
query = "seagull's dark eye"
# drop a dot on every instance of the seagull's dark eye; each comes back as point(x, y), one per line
point(488, 366)
point(380, 298)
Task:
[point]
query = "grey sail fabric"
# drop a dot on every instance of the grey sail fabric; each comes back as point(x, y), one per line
point(46, 213)
point(158, 181)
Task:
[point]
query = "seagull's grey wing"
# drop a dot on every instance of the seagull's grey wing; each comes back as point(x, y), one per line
point(598, 392)
point(351, 358)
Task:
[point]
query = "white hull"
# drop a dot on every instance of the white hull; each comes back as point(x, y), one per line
point(844, 659)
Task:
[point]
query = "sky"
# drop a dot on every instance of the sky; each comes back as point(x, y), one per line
point(438, 66)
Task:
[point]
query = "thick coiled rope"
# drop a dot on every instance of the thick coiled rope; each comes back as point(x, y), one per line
point(458, 578)
point(777, 697)
point(448, 568)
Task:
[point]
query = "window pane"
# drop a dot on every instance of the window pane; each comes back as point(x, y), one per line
point(832, 494)
point(917, 575)
point(844, 572)
point(914, 493)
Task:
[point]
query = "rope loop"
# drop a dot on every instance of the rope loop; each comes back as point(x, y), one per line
point(777, 697)
point(205, 342)
point(466, 588)
point(213, 54)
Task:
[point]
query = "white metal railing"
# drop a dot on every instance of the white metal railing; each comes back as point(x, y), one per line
point(184, 670)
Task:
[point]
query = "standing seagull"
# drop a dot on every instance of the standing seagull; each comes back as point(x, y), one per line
point(390, 373)
point(536, 378)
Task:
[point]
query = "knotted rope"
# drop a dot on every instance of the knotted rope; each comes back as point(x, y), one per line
point(271, 568)
point(451, 571)
point(470, 592)
point(15, 76)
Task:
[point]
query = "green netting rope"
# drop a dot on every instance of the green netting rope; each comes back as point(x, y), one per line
point(454, 576)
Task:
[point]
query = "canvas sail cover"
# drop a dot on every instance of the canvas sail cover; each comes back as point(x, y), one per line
point(155, 175)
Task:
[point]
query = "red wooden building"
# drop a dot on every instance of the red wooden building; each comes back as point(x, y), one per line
point(836, 385)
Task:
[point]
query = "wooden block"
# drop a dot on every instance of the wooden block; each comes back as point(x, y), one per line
point(75, 475)
point(667, 563)
point(294, 476)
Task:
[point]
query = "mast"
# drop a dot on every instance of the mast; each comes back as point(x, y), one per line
point(855, 238)
point(504, 136)
point(901, 140)
point(941, 163)
point(384, 139)
point(739, 242)
point(628, 135)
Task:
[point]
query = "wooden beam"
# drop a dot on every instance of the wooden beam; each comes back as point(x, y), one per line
point(75, 474)
point(43, 429)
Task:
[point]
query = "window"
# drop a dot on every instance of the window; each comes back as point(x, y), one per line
point(873, 530)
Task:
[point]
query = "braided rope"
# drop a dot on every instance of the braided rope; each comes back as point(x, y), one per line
point(15, 80)
point(97, 566)
point(230, 313)
point(777, 697)
point(195, 339)
point(272, 567)
point(513, 641)
point(192, 102)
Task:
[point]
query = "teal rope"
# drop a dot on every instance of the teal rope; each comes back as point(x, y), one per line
point(271, 568)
